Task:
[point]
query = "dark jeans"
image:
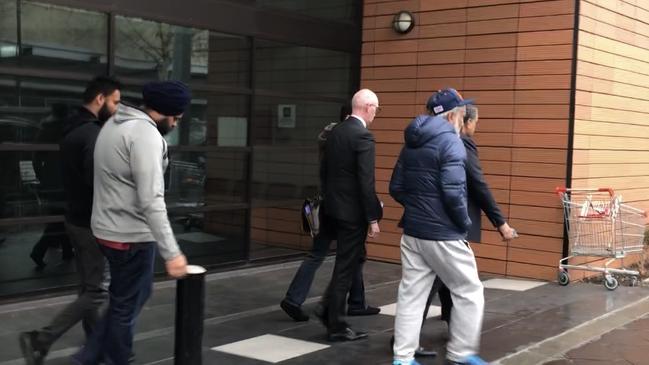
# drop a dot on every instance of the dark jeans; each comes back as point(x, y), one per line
point(130, 286)
point(349, 254)
point(303, 279)
point(93, 289)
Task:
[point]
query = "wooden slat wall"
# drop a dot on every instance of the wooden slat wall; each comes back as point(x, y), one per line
point(612, 100)
point(515, 58)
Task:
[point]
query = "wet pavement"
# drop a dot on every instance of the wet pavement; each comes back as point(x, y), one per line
point(626, 345)
point(244, 324)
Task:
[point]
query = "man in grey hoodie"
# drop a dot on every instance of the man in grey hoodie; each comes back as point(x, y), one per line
point(129, 215)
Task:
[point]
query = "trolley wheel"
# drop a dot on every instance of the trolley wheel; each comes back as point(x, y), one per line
point(611, 283)
point(564, 278)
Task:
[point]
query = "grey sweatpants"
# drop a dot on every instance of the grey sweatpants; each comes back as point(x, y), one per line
point(454, 262)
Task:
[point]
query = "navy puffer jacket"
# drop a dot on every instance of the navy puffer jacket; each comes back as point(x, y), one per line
point(429, 180)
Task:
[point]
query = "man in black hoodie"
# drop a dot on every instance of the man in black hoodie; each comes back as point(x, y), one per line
point(100, 100)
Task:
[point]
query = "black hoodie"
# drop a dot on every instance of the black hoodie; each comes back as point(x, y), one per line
point(77, 148)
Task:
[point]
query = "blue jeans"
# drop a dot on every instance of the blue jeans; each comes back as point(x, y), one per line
point(131, 284)
point(303, 279)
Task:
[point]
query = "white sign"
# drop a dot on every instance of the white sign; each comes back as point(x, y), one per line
point(286, 116)
point(232, 131)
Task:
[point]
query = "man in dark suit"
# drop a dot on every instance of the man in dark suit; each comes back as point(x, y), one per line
point(301, 283)
point(350, 205)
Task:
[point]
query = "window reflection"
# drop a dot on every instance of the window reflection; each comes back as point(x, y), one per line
point(159, 51)
point(33, 111)
point(63, 38)
point(8, 30)
point(304, 70)
point(336, 10)
point(212, 149)
point(286, 167)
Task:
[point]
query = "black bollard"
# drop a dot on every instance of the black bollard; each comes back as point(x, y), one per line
point(190, 312)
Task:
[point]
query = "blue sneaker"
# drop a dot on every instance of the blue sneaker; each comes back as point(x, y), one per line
point(403, 362)
point(471, 360)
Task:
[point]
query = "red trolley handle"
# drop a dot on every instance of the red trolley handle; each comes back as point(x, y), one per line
point(562, 190)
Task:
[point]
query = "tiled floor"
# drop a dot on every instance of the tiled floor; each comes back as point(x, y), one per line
point(245, 326)
point(512, 284)
point(270, 348)
point(274, 349)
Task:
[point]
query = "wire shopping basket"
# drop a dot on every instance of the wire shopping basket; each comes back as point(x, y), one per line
point(598, 224)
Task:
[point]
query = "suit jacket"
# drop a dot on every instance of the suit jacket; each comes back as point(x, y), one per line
point(480, 197)
point(347, 172)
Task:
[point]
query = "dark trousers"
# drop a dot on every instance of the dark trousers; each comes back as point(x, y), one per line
point(303, 279)
point(130, 286)
point(93, 289)
point(444, 298)
point(53, 236)
point(349, 254)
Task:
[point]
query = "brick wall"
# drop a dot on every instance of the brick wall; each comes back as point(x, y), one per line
point(515, 59)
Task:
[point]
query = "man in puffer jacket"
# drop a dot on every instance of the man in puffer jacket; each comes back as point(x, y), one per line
point(429, 180)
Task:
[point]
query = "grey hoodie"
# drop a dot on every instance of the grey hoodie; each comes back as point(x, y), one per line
point(130, 160)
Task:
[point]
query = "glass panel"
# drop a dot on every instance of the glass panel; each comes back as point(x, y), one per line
point(229, 60)
point(8, 30)
point(286, 167)
point(303, 70)
point(30, 184)
point(159, 51)
point(213, 119)
point(17, 269)
point(291, 122)
point(63, 38)
point(211, 237)
point(337, 10)
point(197, 179)
point(33, 111)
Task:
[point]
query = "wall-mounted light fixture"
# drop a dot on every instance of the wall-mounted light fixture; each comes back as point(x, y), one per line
point(403, 22)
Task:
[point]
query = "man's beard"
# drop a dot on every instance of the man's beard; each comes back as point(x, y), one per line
point(104, 114)
point(164, 127)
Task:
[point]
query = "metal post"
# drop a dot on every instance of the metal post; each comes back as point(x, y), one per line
point(190, 308)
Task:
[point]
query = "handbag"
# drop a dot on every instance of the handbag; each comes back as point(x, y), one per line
point(311, 222)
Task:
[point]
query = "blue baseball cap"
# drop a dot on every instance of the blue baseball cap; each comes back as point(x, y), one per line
point(445, 100)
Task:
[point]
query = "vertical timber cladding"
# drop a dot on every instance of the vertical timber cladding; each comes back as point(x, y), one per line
point(515, 59)
point(612, 100)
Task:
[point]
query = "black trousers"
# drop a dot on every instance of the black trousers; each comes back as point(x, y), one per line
point(444, 298)
point(349, 256)
point(94, 278)
point(54, 235)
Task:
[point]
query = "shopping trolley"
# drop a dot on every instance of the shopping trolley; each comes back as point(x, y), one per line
point(600, 225)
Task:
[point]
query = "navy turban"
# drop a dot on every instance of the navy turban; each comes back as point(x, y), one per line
point(168, 98)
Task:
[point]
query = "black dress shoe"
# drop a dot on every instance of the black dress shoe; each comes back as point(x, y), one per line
point(28, 345)
point(40, 264)
point(294, 311)
point(367, 311)
point(347, 334)
point(321, 313)
point(422, 352)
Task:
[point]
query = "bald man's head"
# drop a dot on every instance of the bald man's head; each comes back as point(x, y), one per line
point(365, 104)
